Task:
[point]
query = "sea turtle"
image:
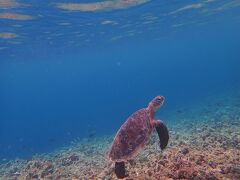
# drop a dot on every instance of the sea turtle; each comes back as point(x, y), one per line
point(134, 135)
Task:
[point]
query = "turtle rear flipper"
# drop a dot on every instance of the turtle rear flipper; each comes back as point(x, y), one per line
point(120, 170)
point(162, 134)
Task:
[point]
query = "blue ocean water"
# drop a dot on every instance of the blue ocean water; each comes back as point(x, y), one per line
point(67, 74)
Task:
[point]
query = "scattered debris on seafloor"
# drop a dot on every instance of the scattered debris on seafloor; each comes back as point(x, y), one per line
point(203, 146)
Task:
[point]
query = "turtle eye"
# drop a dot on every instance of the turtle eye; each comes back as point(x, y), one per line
point(159, 99)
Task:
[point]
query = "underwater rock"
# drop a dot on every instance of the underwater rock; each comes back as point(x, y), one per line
point(47, 169)
point(211, 177)
point(200, 160)
point(70, 159)
point(231, 169)
point(31, 176)
point(212, 164)
point(184, 151)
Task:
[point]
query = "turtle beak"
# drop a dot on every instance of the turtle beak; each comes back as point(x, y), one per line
point(159, 101)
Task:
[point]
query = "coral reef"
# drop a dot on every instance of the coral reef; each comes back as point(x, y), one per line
point(204, 145)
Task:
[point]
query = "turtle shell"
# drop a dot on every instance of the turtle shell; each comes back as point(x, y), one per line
point(131, 137)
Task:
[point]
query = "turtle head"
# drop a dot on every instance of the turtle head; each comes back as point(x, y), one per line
point(156, 103)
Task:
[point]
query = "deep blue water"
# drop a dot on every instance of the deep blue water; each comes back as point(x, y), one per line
point(84, 77)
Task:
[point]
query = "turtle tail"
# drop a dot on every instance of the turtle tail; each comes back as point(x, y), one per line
point(162, 134)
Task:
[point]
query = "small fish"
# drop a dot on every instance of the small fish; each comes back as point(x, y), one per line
point(16, 174)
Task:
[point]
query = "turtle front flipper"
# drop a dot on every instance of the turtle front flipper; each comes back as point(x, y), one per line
point(120, 170)
point(162, 133)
